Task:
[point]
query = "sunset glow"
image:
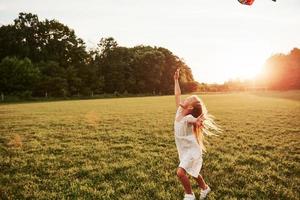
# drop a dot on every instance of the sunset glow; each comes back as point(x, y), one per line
point(218, 40)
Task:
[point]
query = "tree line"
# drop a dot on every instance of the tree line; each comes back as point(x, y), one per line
point(45, 58)
point(282, 72)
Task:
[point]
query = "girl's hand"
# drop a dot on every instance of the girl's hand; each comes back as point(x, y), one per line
point(176, 75)
point(200, 120)
point(196, 121)
point(199, 123)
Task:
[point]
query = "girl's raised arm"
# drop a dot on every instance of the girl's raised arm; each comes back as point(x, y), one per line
point(177, 90)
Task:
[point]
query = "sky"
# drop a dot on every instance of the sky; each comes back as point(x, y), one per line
point(219, 40)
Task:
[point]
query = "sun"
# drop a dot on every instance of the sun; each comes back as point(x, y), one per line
point(244, 64)
point(244, 61)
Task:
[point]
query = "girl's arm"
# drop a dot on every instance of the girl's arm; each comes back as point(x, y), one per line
point(198, 120)
point(177, 90)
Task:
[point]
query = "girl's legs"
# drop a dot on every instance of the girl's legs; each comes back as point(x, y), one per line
point(184, 180)
point(201, 182)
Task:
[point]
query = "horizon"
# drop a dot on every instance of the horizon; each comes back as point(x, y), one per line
point(241, 37)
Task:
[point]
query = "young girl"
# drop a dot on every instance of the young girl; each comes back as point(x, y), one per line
point(191, 121)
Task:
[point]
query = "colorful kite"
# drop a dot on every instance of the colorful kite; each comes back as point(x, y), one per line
point(249, 2)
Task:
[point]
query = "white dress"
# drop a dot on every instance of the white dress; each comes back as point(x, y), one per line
point(189, 151)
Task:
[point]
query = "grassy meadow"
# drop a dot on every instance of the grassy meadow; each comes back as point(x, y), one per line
point(124, 148)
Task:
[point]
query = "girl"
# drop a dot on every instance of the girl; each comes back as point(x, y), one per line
point(191, 121)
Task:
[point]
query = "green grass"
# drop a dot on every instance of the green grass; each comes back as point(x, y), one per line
point(125, 149)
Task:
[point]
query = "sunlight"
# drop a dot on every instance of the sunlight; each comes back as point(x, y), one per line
point(246, 65)
point(246, 59)
point(236, 62)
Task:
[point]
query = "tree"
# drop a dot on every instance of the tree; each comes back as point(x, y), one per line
point(170, 64)
point(59, 43)
point(190, 86)
point(141, 69)
point(67, 69)
point(45, 42)
point(53, 81)
point(106, 45)
point(149, 70)
point(283, 71)
point(17, 75)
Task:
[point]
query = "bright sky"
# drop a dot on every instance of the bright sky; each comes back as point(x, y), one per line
point(218, 39)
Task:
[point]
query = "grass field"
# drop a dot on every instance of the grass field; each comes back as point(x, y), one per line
point(124, 148)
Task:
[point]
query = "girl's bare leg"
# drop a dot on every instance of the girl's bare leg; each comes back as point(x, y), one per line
point(201, 182)
point(184, 180)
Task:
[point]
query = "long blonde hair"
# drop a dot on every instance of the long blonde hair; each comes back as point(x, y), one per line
point(208, 125)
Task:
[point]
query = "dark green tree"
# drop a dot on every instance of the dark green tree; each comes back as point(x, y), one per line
point(18, 76)
point(53, 81)
point(67, 69)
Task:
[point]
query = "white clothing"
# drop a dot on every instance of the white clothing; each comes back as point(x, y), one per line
point(189, 151)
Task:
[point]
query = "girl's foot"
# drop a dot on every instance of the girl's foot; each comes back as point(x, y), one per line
point(189, 197)
point(204, 193)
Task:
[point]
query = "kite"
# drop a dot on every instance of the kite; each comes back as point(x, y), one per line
point(249, 2)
